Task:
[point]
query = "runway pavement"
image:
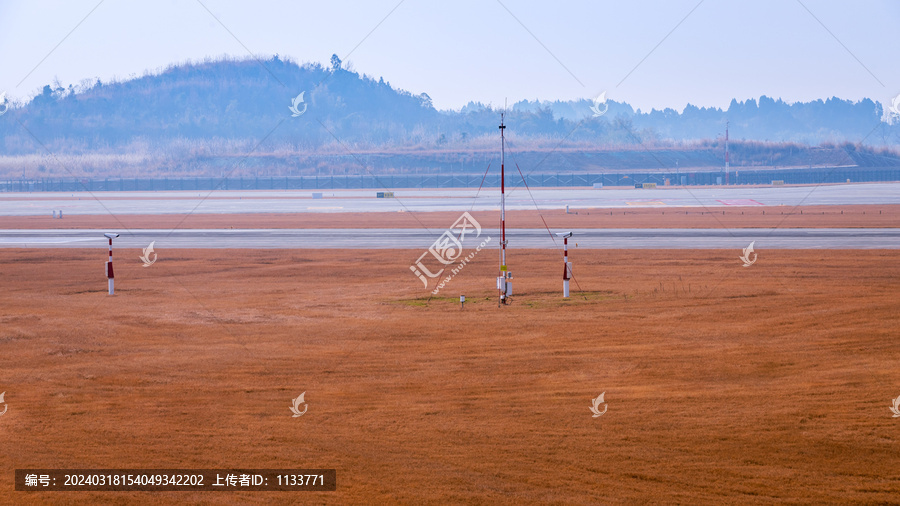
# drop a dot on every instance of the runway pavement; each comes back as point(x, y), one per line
point(336, 201)
point(420, 239)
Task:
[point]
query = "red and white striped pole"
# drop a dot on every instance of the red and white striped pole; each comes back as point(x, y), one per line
point(567, 267)
point(726, 153)
point(504, 285)
point(109, 265)
point(566, 270)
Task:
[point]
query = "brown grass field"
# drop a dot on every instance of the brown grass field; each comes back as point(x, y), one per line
point(845, 216)
point(724, 384)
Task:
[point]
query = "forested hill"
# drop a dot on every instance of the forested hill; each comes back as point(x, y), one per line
point(228, 107)
point(243, 99)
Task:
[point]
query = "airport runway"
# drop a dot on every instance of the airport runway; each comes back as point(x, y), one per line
point(337, 201)
point(420, 239)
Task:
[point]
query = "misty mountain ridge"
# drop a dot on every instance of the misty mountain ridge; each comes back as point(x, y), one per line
point(227, 107)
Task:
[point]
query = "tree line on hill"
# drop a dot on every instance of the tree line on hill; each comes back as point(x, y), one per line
point(199, 117)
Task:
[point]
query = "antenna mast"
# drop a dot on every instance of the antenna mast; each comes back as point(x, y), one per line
point(504, 286)
point(726, 152)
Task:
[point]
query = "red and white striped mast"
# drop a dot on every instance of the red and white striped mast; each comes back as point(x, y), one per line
point(567, 265)
point(504, 286)
point(109, 267)
point(726, 152)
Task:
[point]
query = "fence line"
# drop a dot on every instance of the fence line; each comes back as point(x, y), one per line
point(391, 181)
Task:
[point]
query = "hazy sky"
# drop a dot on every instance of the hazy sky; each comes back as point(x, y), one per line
point(650, 54)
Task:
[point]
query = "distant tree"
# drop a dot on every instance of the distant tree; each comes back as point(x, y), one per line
point(335, 63)
point(45, 98)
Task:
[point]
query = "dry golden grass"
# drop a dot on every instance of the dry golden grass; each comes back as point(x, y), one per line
point(869, 216)
point(724, 384)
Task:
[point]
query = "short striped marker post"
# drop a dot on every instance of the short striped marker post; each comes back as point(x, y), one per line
point(567, 266)
point(109, 266)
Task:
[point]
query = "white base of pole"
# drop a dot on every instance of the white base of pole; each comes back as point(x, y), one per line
point(112, 289)
point(566, 288)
